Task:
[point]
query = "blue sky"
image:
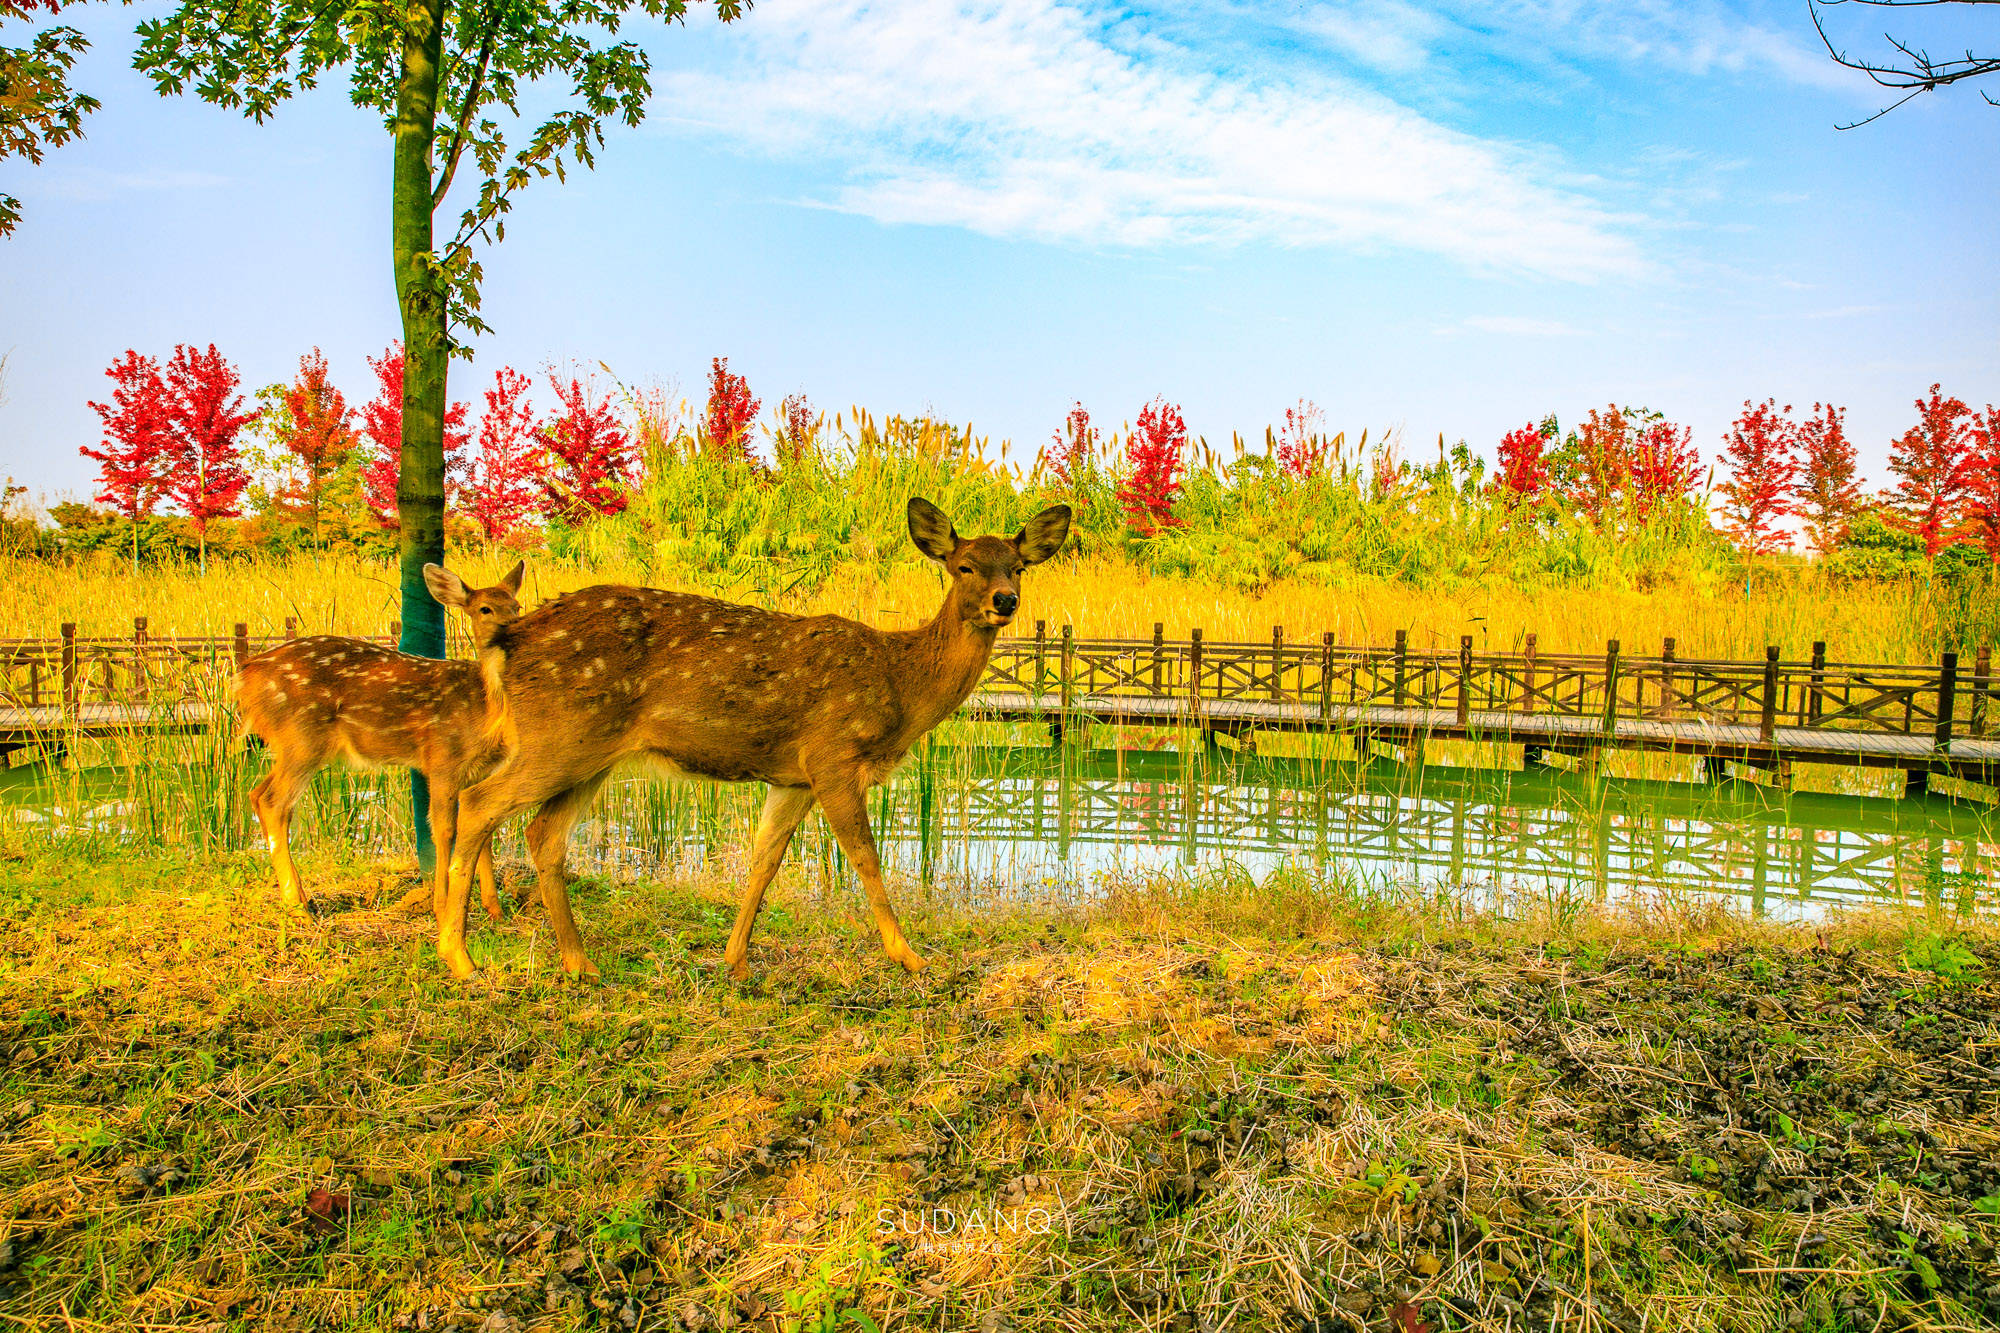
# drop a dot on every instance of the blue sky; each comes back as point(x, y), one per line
point(1445, 217)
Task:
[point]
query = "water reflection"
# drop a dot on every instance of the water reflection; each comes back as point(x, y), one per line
point(1064, 819)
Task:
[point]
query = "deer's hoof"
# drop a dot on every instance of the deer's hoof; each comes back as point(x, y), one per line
point(910, 961)
point(739, 970)
point(581, 968)
point(460, 962)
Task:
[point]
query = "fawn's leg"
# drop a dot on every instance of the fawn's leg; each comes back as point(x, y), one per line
point(480, 811)
point(444, 830)
point(274, 799)
point(548, 844)
point(784, 808)
point(840, 796)
point(489, 890)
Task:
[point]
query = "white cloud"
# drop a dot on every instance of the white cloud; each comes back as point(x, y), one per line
point(1029, 118)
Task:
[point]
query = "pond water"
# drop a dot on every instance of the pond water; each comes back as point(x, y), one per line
point(1060, 823)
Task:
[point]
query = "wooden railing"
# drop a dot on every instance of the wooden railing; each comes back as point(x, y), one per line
point(1335, 684)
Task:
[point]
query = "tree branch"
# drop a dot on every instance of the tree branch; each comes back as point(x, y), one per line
point(465, 112)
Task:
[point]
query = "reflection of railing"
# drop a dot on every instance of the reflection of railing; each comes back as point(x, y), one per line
point(1641, 837)
point(1779, 710)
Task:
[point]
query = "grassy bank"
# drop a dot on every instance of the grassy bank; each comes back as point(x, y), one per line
point(1193, 1106)
point(1101, 595)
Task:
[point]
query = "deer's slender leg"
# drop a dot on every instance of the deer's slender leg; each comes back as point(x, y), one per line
point(432, 897)
point(481, 810)
point(274, 799)
point(548, 836)
point(840, 796)
point(489, 889)
point(784, 809)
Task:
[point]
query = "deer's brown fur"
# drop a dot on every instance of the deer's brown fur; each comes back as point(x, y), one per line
point(317, 700)
point(819, 707)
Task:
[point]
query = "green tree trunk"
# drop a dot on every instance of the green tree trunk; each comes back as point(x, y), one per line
point(420, 481)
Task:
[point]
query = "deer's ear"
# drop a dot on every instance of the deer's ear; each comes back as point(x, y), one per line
point(1044, 535)
point(447, 587)
point(512, 583)
point(931, 530)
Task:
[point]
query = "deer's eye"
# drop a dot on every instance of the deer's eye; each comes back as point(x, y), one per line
point(485, 610)
point(965, 569)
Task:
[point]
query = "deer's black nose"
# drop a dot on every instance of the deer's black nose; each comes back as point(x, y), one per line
point(1006, 602)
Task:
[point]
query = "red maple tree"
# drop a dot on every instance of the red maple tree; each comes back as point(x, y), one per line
point(1072, 448)
point(317, 429)
point(501, 489)
point(137, 448)
point(591, 452)
point(1154, 454)
point(1829, 487)
point(1762, 464)
point(206, 477)
point(382, 423)
point(1932, 461)
point(1663, 467)
point(725, 422)
point(1602, 467)
point(1524, 469)
point(1982, 497)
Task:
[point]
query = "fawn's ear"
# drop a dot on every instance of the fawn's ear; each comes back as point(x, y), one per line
point(447, 587)
point(1044, 535)
point(512, 583)
point(931, 530)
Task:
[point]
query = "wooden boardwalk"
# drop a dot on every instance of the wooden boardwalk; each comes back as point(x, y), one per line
point(1769, 714)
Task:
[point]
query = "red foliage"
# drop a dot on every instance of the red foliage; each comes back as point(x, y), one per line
point(1762, 463)
point(501, 490)
point(206, 477)
point(1072, 449)
point(1523, 468)
point(731, 408)
point(592, 452)
point(1154, 452)
point(1664, 467)
point(1829, 488)
point(1982, 508)
point(1603, 467)
point(138, 444)
point(1300, 447)
point(318, 428)
point(382, 423)
point(1932, 461)
point(797, 435)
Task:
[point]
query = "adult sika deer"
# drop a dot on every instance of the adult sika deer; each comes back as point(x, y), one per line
point(819, 707)
point(323, 698)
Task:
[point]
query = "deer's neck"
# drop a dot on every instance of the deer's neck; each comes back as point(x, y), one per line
point(943, 664)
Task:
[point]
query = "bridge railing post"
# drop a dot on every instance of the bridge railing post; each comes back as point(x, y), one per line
point(1528, 674)
point(242, 644)
point(1767, 721)
point(1464, 681)
point(1816, 695)
point(1194, 675)
point(1159, 655)
point(1947, 698)
point(1041, 659)
point(141, 685)
point(1610, 688)
point(1067, 682)
point(1402, 652)
point(1277, 663)
point(291, 627)
point(69, 666)
point(1326, 675)
point(1982, 684)
point(1666, 709)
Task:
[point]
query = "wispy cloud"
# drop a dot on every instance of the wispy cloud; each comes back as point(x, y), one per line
point(92, 184)
point(1521, 326)
point(1038, 119)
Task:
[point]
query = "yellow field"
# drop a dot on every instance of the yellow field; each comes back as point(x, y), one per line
point(1860, 622)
